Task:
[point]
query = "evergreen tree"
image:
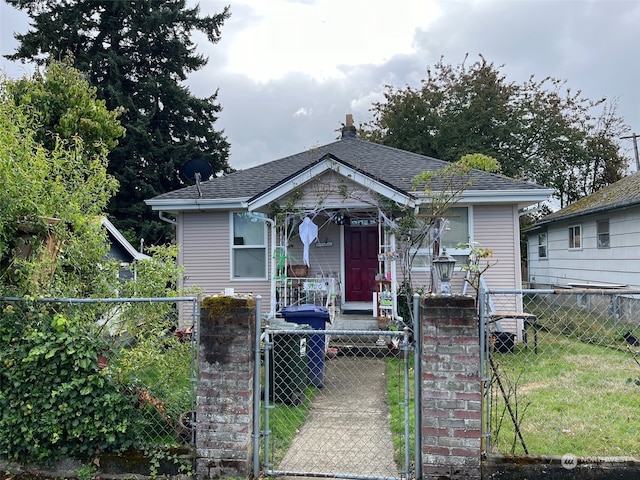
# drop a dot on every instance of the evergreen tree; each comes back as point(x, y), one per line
point(138, 54)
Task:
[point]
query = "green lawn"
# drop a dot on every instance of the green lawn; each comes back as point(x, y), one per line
point(574, 397)
point(395, 397)
point(284, 423)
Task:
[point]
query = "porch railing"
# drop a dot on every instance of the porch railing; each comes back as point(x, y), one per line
point(320, 291)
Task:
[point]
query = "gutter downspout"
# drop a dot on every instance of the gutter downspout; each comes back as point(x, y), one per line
point(272, 291)
point(166, 219)
point(394, 279)
point(272, 285)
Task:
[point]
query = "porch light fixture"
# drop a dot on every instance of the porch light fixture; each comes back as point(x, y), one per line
point(444, 265)
point(338, 218)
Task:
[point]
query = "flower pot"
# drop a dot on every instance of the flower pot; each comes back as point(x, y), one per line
point(298, 271)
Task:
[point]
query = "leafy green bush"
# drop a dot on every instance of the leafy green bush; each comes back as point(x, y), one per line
point(54, 399)
point(160, 367)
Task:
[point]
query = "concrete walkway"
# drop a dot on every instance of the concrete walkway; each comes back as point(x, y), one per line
point(347, 429)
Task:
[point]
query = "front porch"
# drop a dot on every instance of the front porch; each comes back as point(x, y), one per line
point(326, 292)
point(340, 265)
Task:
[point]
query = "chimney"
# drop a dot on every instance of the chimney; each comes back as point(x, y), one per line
point(349, 130)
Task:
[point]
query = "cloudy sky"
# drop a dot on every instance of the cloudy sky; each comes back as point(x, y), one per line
point(288, 71)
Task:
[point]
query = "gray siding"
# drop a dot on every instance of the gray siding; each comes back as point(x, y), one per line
point(206, 256)
point(324, 260)
point(205, 251)
point(497, 227)
point(618, 264)
point(334, 190)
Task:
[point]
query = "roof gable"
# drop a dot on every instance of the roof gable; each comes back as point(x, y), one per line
point(118, 239)
point(358, 180)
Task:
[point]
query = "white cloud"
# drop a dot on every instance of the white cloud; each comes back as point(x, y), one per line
point(302, 112)
point(289, 70)
point(316, 37)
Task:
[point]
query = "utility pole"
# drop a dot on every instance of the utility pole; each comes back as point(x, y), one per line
point(634, 137)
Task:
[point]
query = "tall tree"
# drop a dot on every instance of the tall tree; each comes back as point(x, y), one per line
point(55, 185)
point(66, 106)
point(538, 130)
point(137, 53)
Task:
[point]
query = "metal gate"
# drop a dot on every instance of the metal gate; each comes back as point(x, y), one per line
point(335, 403)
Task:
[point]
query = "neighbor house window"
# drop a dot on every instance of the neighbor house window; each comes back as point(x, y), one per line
point(542, 245)
point(603, 234)
point(575, 237)
point(248, 246)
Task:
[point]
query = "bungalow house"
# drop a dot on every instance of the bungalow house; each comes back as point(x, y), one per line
point(321, 226)
point(592, 243)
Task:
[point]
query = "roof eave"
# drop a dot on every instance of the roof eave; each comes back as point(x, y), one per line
point(523, 198)
point(133, 253)
point(197, 204)
point(592, 211)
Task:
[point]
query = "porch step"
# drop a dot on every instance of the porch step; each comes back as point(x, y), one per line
point(355, 322)
point(351, 349)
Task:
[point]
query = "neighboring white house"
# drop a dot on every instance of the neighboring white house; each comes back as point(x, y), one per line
point(121, 250)
point(595, 242)
point(231, 236)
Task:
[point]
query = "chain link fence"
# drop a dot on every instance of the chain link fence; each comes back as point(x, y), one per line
point(110, 373)
point(563, 372)
point(336, 403)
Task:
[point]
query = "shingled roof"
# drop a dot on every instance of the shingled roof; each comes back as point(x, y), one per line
point(395, 167)
point(623, 193)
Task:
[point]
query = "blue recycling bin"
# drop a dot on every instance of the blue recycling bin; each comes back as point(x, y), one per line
point(317, 318)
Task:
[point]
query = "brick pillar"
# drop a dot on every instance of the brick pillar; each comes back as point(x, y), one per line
point(225, 387)
point(451, 394)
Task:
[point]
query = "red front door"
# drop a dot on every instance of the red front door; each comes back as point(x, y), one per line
point(361, 262)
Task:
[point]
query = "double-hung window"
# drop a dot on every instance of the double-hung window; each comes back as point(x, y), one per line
point(455, 231)
point(603, 233)
point(575, 237)
point(248, 246)
point(542, 245)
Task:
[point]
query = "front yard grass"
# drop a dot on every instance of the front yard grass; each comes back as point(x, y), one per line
point(395, 399)
point(284, 423)
point(577, 398)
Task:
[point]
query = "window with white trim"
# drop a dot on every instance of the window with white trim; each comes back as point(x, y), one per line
point(603, 233)
point(456, 230)
point(542, 245)
point(248, 246)
point(575, 237)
